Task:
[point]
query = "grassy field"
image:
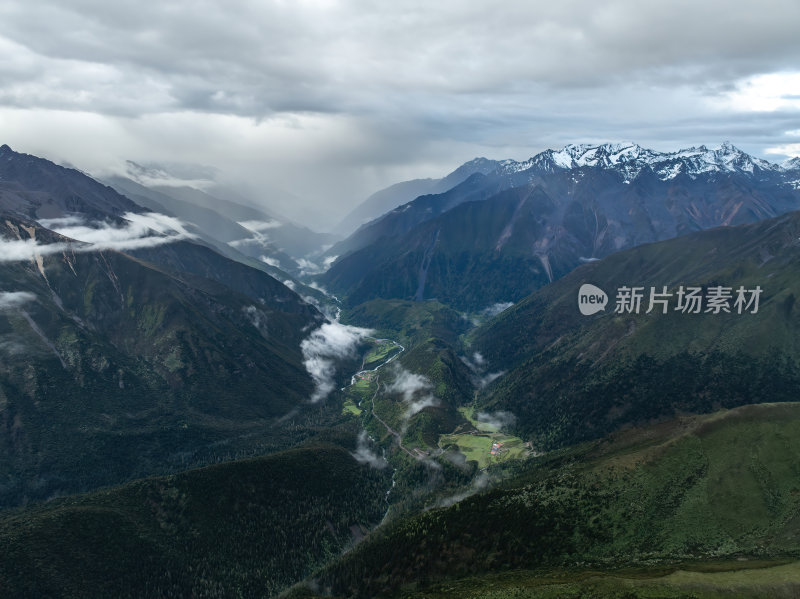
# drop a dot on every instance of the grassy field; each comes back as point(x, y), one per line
point(382, 350)
point(476, 447)
point(351, 408)
point(356, 395)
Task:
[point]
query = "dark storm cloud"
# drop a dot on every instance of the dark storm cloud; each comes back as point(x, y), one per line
point(371, 93)
point(256, 58)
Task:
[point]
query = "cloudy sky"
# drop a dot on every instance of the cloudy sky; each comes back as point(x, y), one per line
point(332, 100)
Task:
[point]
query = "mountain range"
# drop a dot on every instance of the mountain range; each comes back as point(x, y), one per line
point(528, 223)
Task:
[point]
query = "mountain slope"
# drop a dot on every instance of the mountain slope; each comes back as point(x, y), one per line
point(209, 221)
point(572, 377)
point(114, 367)
point(719, 487)
point(35, 188)
point(250, 527)
point(404, 218)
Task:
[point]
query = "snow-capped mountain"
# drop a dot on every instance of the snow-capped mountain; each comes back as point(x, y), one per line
point(630, 159)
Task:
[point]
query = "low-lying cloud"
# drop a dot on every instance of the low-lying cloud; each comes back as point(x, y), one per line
point(258, 238)
point(326, 345)
point(10, 300)
point(139, 231)
point(257, 318)
point(488, 312)
point(259, 226)
point(479, 483)
point(498, 420)
point(495, 309)
point(478, 367)
point(274, 262)
point(416, 390)
point(18, 250)
point(365, 455)
point(307, 267)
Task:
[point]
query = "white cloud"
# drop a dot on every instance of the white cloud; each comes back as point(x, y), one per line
point(365, 455)
point(416, 390)
point(259, 238)
point(257, 318)
point(258, 226)
point(489, 378)
point(766, 93)
point(10, 300)
point(318, 287)
point(495, 309)
point(307, 267)
point(15, 250)
point(408, 384)
point(498, 420)
point(179, 176)
point(323, 348)
point(138, 231)
point(785, 150)
point(328, 262)
point(271, 261)
point(479, 483)
point(478, 366)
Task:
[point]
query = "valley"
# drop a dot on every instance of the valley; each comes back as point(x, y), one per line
point(458, 429)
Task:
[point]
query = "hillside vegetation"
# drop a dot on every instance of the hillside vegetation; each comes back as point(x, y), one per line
point(572, 377)
point(241, 529)
point(719, 487)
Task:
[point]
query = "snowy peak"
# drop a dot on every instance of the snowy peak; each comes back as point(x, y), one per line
point(606, 155)
point(792, 164)
point(630, 159)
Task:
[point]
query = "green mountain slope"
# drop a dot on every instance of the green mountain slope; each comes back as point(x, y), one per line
point(572, 377)
point(716, 487)
point(242, 529)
